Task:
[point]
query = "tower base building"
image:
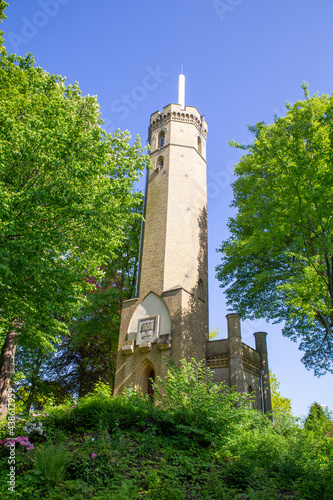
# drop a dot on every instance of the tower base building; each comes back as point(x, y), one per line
point(169, 316)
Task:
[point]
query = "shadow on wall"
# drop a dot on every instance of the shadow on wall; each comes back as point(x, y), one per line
point(195, 315)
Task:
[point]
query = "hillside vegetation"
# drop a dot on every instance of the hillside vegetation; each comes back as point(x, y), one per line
point(200, 440)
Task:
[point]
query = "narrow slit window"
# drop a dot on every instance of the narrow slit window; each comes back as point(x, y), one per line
point(200, 145)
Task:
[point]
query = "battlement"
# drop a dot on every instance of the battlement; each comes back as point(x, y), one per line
point(173, 112)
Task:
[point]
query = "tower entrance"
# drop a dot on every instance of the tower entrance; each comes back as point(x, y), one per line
point(146, 379)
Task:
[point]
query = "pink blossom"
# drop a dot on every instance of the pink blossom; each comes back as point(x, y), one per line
point(9, 442)
point(93, 455)
point(24, 441)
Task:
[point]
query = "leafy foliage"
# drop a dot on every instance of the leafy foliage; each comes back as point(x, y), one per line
point(280, 405)
point(51, 462)
point(278, 262)
point(89, 354)
point(3, 5)
point(125, 447)
point(66, 197)
point(66, 201)
point(194, 401)
point(31, 388)
point(214, 333)
point(319, 419)
point(100, 409)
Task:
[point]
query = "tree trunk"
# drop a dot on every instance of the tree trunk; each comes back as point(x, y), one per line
point(7, 370)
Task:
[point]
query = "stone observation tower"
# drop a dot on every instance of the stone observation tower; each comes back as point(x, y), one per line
point(169, 316)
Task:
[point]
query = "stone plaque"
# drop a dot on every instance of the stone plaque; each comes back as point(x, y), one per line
point(147, 330)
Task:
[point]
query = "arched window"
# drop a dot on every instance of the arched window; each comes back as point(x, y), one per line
point(250, 389)
point(201, 290)
point(160, 162)
point(161, 139)
point(199, 145)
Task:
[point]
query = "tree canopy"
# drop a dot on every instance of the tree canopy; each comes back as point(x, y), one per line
point(280, 404)
point(66, 194)
point(66, 199)
point(89, 354)
point(278, 261)
point(319, 419)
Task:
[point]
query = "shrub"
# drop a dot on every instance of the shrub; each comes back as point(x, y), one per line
point(199, 407)
point(98, 409)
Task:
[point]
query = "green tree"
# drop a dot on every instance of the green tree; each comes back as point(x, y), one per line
point(89, 354)
point(30, 386)
point(66, 197)
point(318, 419)
point(278, 262)
point(214, 333)
point(280, 405)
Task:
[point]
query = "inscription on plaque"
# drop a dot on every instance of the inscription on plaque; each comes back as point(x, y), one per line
point(147, 330)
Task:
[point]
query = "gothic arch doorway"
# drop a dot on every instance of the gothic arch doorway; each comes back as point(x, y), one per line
point(146, 378)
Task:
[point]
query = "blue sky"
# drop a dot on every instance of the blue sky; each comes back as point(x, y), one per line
point(242, 60)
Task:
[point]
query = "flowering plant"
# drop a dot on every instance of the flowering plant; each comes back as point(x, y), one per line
point(34, 427)
point(23, 441)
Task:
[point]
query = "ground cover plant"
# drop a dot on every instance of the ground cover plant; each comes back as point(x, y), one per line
point(199, 440)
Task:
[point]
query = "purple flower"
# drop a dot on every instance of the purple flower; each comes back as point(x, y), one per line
point(93, 456)
point(9, 442)
point(24, 441)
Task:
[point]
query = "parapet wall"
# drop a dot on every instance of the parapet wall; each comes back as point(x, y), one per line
point(241, 366)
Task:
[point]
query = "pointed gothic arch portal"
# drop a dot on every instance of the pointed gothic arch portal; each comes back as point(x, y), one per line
point(146, 379)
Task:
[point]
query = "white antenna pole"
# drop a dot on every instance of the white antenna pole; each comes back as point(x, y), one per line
point(181, 89)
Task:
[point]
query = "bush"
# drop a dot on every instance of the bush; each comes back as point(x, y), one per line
point(101, 409)
point(203, 410)
point(313, 459)
point(202, 440)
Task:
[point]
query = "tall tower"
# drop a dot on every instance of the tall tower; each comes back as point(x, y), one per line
point(169, 318)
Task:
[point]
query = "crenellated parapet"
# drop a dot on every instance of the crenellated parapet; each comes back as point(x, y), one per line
point(174, 113)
